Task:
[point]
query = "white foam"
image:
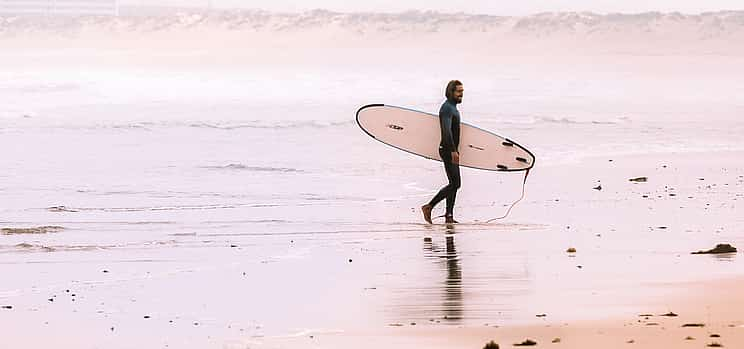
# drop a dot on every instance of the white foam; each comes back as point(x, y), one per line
point(653, 32)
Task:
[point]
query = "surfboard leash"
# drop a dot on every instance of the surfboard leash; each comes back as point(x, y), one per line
point(524, 184)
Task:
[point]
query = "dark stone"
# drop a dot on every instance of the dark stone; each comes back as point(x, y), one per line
point(526, 343)
point(720, 248)
point(491, 345)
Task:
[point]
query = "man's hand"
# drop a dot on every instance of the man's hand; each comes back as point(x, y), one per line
point(455, 157)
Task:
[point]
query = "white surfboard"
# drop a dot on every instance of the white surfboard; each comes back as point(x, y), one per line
point(418, 132)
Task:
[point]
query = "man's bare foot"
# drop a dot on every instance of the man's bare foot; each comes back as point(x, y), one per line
point(450, 220)
point(426, 210)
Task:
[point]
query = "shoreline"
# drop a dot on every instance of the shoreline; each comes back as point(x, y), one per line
point(667, 326)
point(236, 277)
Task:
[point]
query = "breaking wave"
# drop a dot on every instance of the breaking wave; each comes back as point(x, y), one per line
point(273, 125)
point(328, 26)
point(254, 168)
point(569, 120)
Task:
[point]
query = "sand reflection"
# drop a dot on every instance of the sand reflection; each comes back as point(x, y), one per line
point(452, 294)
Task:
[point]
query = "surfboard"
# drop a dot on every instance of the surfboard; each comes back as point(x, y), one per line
point(418, 133)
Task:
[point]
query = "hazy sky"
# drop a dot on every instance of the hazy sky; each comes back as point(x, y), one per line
point(497, 7)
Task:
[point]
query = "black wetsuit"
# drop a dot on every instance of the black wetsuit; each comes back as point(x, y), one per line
point(449, 123)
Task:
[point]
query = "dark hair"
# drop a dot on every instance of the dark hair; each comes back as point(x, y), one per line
point(449, 92)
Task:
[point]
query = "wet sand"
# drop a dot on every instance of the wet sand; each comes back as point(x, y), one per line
point(285, 278)
point(708, 313)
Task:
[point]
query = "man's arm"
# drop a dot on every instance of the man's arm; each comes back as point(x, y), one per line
point(445, 122)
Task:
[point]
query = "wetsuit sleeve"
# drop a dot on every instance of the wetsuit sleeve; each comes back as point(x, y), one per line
point(445, 122)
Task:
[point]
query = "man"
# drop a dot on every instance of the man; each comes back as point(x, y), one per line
point(449, 123)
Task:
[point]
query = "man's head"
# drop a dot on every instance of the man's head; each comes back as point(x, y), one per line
point(454, 91)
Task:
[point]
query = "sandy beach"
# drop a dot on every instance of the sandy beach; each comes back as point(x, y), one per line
point(365, 284)
point(706, 314)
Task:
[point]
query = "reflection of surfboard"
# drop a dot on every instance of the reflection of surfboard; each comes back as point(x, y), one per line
point(418, 133)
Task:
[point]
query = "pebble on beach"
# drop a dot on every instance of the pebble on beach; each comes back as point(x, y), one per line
point(720, 248)
point(491, 345)
point(525, 343)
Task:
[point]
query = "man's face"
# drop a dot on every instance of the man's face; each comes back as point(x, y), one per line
point(459, 90)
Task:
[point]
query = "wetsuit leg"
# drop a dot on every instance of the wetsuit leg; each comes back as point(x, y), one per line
point(449, 191)
point(453, 174)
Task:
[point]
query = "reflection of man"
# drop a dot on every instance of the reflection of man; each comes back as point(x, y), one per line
point(453, 296)
point(449, 123)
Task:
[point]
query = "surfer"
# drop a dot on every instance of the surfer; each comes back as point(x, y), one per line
point(449, 123)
